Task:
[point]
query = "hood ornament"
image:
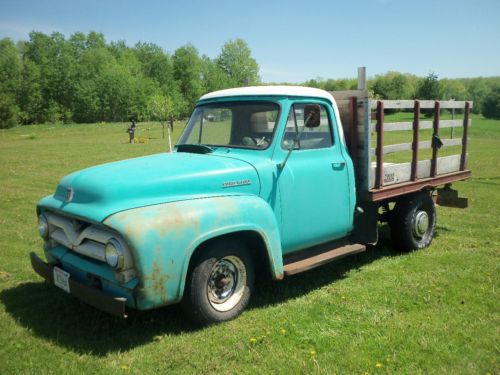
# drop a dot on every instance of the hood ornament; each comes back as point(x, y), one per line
point(69, 194)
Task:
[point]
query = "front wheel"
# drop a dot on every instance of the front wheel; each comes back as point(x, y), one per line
point(413, 222)
point(220, 283)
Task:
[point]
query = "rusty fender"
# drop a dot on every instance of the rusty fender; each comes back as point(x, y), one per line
point(163, 237)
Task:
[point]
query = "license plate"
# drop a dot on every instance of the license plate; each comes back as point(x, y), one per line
point(61, 279)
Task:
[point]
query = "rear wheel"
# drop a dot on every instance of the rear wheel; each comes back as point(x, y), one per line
point(220, 283)
point(413, 222)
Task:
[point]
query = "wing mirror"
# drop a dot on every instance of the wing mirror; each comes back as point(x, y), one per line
point(312, 115)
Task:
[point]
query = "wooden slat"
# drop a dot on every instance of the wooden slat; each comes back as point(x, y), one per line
point(463, 157)
point(435, 150)
point(408, 104)
point(401, 172)
point(379, 181)
point(415, 144)
point(399, 126)
point(422, 145)
point(413, 186)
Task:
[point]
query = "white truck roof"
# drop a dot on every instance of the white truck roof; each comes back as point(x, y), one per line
point(271, 90)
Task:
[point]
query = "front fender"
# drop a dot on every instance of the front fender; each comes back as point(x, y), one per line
point(163, 237)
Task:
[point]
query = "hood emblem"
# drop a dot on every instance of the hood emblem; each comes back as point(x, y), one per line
point(228, 184)
point(69, 194)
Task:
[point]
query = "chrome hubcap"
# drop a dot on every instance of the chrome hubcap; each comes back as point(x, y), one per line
point(420, 224)
point(226, 283)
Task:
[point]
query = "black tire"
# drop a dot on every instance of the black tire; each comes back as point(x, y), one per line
point(220, 283)
point(413, 222)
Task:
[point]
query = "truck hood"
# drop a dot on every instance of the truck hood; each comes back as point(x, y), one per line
point(97, 192)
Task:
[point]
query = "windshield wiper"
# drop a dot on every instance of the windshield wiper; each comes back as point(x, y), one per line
point(194, 148)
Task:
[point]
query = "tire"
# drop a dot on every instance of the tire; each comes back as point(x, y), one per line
point(413, 222)
point(220, 283)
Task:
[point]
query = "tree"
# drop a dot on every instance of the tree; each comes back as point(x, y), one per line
point(10, 83)
point(394, 85)
point(429, 88)
point(163, 108)
point(188, 74)
point(491, 105)
point(237, 62)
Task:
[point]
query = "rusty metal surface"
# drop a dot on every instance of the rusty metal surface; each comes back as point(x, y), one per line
point(395, 190)
point(322, 258)
point(94, 297)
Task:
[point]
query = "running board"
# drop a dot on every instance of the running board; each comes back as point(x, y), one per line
point(307, 263)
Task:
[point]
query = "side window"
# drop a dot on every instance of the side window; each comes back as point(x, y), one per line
point(311, 138)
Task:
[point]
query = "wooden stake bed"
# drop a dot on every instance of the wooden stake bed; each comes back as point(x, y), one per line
point(377, 180)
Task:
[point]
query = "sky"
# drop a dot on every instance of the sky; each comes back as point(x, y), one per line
point(292, 41)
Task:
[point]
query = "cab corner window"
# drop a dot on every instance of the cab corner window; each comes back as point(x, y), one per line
point(310, 138)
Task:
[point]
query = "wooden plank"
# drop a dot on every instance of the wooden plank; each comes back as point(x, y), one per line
point(379, 180)
point(353, 132)
point(408, 125)
point(422, 145)
point(323, 258)
point(415, 144)
point(435, 149)
point(408, 104)
point(346, 94)
point(463, 158)
point(395, 173)
point(414, 186)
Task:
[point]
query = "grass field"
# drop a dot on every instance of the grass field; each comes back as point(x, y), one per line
point(431, 311)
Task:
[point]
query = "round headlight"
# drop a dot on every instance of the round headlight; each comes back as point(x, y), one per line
point(114, 253)
point(43, 226)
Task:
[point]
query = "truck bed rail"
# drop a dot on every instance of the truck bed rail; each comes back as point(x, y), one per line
point(378, 179)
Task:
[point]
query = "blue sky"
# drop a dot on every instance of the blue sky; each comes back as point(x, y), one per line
point(291, 40)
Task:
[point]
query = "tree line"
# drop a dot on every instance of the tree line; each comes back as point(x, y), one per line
point(483, 91)
point(85, 79)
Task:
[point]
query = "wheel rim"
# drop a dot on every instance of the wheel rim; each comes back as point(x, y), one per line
point(420, 224)
point(226, 283)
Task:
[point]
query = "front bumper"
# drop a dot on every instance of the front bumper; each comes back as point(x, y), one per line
point(92, 296)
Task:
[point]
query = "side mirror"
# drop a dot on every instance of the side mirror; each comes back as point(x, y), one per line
point(312, 115)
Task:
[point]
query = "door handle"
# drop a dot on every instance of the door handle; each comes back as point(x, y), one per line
point(338, 164)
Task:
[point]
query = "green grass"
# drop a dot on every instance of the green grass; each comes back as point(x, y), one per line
point(431, 311)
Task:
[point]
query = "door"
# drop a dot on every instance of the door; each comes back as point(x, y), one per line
point(314, 184)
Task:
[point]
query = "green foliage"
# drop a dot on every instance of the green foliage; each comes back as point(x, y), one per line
point(236, 61)
point(491, 105)
point(50, 79)
point(429, 88)
point(83, 78)
point(9, 112)
point(394, 85)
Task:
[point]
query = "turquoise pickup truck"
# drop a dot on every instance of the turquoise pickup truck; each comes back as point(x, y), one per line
point(264, 182)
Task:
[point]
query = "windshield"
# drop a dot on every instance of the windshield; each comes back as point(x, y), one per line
point(235, 124)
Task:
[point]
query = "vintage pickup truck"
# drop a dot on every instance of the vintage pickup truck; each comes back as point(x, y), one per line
point(266, 181)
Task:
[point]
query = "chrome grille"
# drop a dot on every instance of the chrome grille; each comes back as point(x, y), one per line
point(82, 238)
